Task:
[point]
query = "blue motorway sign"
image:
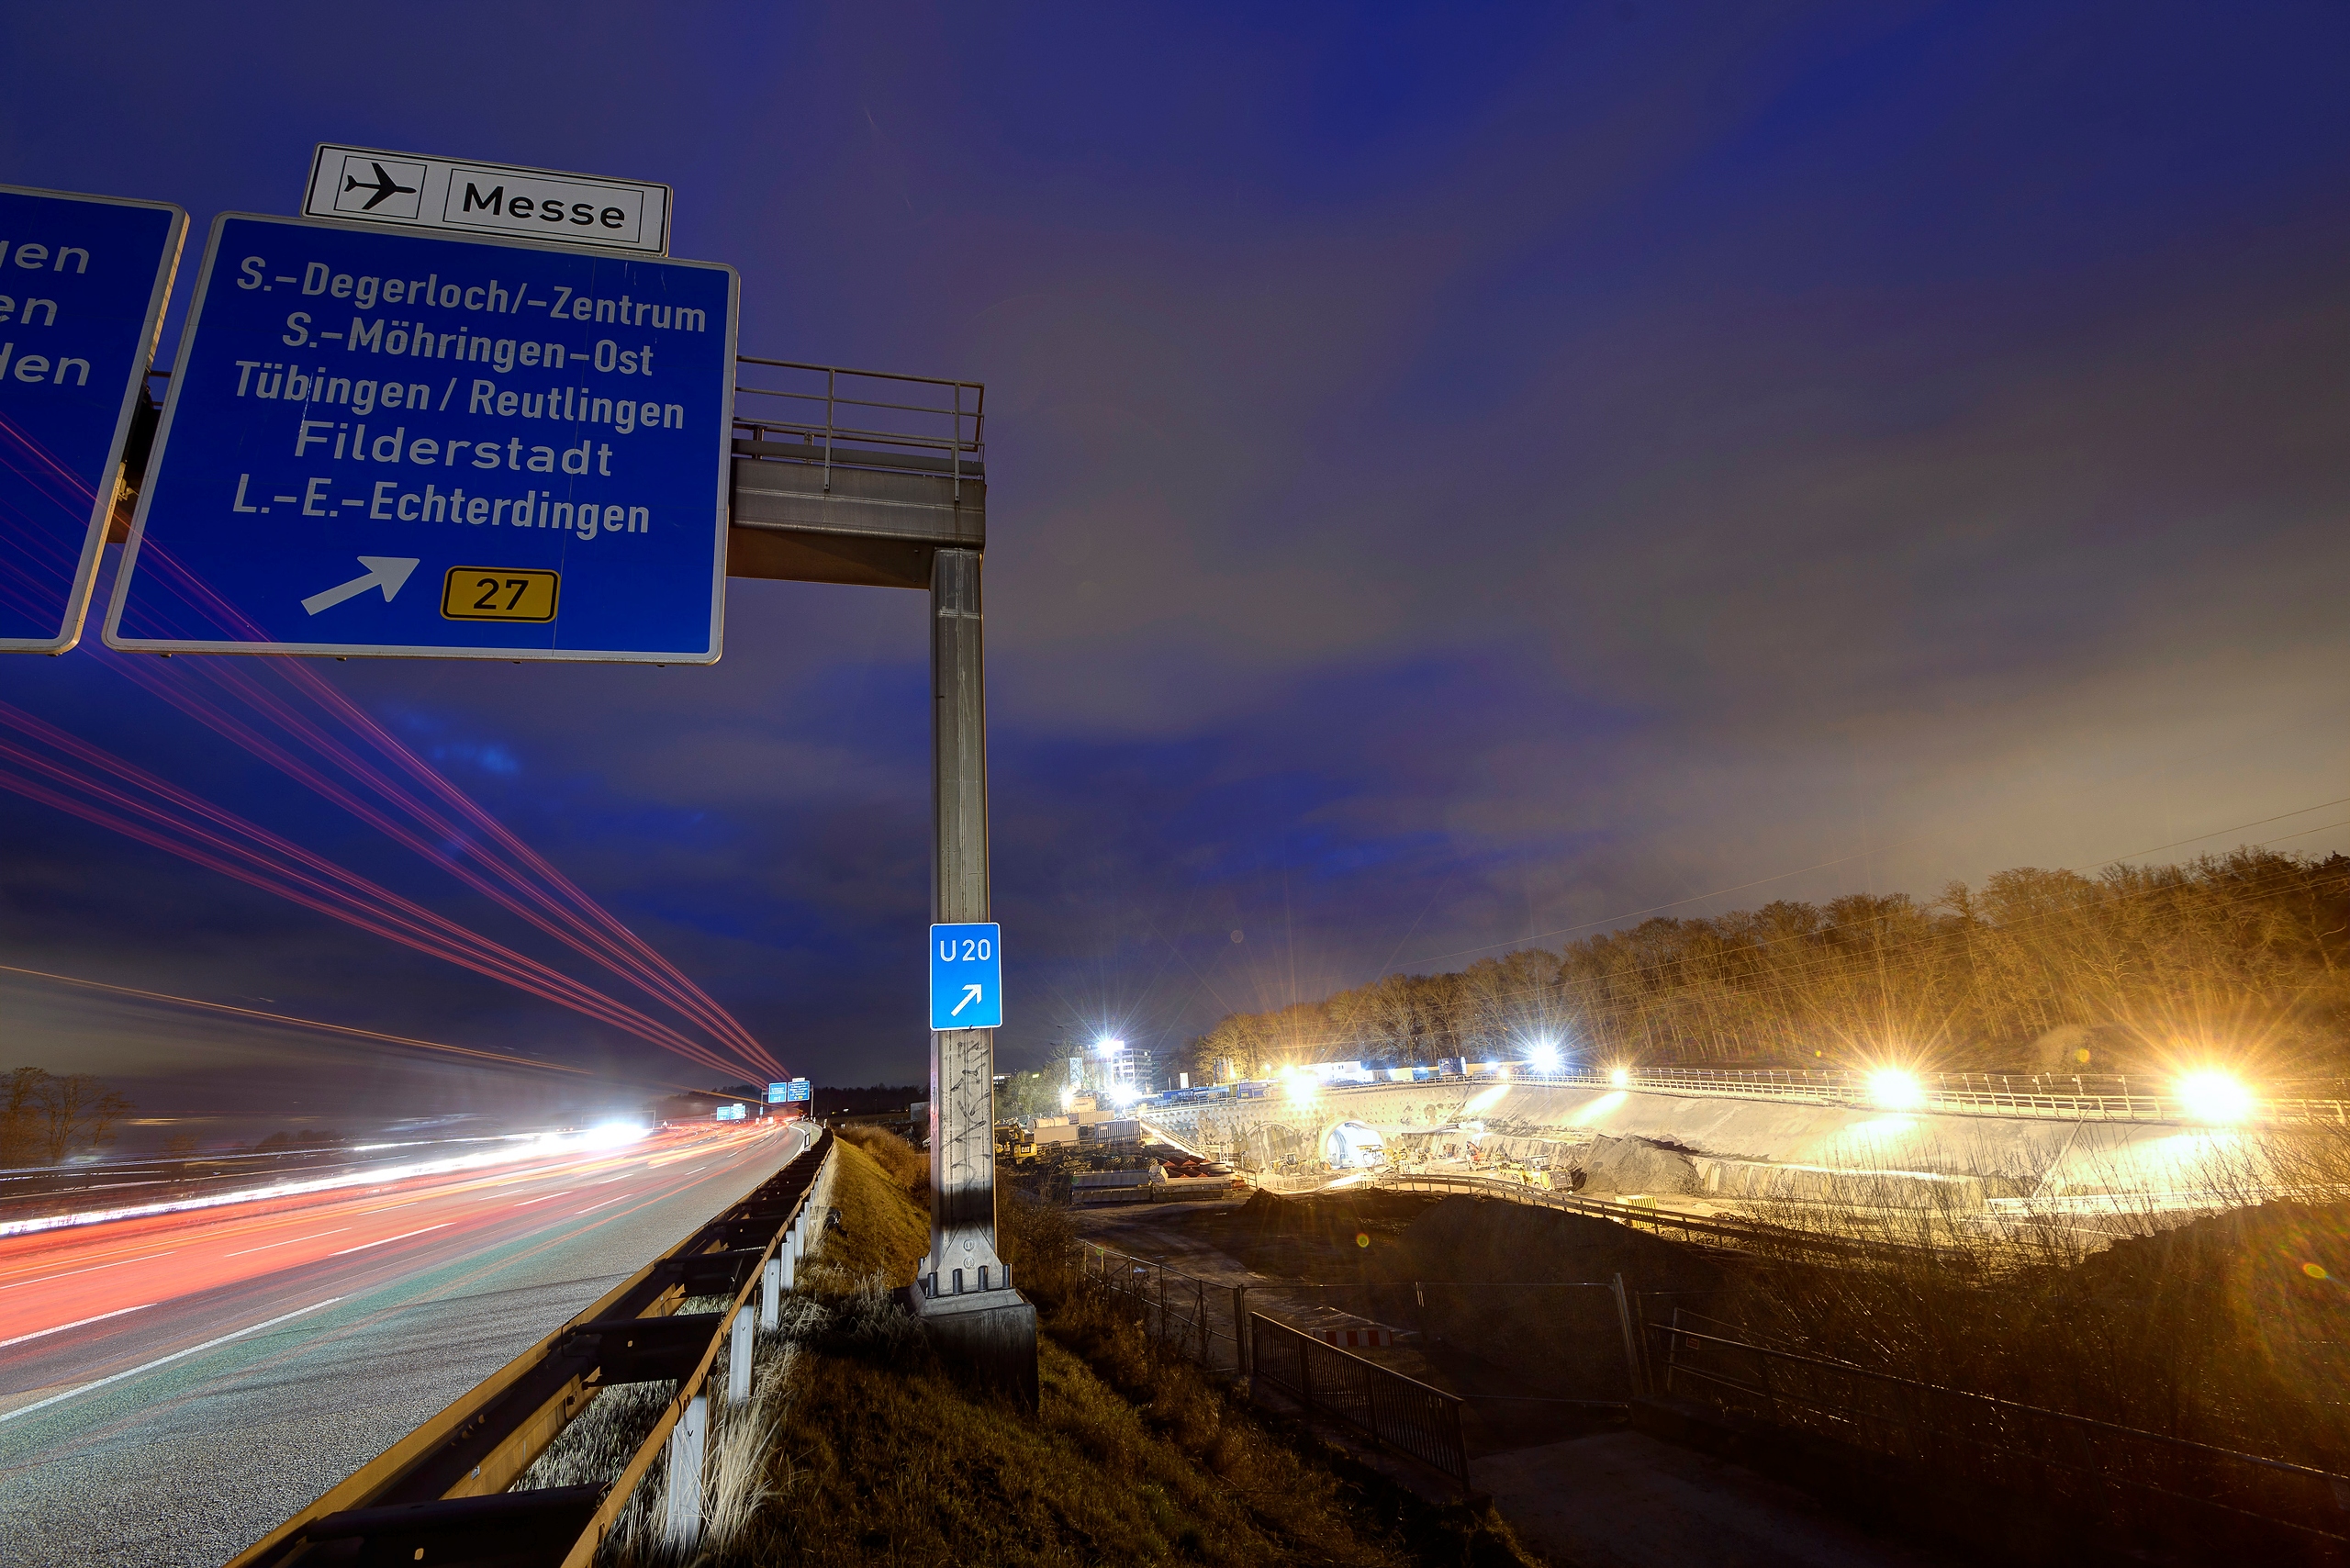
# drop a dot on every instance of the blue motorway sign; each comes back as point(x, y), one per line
point(384, 443)
point(787, 1092)
point(83, 284)
point(966, 976)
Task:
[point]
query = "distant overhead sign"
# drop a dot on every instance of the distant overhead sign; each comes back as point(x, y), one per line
point(966, 976)
point(406, 190)
point(83, 284)
point(416, 445)
point(789, 1093)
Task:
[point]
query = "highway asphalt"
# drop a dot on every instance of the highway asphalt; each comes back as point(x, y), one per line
point(172, 1387)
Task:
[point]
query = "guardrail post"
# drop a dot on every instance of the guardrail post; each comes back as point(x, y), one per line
point(771, 1294)
point(686, 1440)
point(738, 1361)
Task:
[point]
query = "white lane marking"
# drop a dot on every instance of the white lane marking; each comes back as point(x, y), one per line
point(165, 1361)
point(591, 1208)
point(403, 1236)
point(101, 1317)
point(526, 1202)
point(71, 1272)
point(290, 1241)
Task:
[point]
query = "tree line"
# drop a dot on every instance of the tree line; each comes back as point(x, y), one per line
point(2245, 958)
point(44, 1116)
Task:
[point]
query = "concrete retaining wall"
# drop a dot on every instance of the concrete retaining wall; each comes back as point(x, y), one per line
point(1762, 1148)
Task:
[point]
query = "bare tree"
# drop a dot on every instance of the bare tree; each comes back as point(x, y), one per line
point(2244, 956)
point(75, 1112)
point(19, 1114)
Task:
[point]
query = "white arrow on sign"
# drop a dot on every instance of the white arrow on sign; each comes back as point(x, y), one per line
point(387, 572)
point(970, 994)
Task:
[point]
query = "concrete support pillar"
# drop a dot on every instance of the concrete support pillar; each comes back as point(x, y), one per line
point(963, 1291)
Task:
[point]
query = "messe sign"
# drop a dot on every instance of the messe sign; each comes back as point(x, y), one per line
point(402, 443)
point(83, 284)
point(787, 1092)
point(407, 190)
point(966, 976)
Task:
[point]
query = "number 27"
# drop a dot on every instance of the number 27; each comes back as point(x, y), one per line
point(489, 586)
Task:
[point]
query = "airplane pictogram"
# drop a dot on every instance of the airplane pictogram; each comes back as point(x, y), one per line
point(383, 185)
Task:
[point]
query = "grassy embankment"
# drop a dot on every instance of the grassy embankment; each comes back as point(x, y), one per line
point(886, 1457)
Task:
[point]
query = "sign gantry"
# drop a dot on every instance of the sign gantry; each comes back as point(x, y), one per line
point(386, 444)
point(84, 281)
point(472, 411)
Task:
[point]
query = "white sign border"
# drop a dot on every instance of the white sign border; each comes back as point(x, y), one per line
point(353, 651)
point(94, 541)
point(321, 151)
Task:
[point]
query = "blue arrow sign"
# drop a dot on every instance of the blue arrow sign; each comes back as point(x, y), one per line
point(83, 284)
point(380, 442)
point(966, 976)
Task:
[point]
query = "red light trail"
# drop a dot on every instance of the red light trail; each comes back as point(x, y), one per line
point(431, 817)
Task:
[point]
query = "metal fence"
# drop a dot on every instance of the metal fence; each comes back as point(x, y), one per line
point(1189, 1315)
point(2115, 1479)
point(1398, 1411)
point(1715, 1232)
point(2060, 1097)
point(1211, 1324)
point(827, 415)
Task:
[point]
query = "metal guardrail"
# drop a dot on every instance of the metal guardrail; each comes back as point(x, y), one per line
point(1955, 1093)
point(1398, 1411)
point(836, 417)
point(1710, 1231)
point(441, 1493)
point(2077, 1462)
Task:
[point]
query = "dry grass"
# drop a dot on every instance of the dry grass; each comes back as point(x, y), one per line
point(904, 1164)
point(885, 1457)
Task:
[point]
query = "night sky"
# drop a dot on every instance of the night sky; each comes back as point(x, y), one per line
point(1458, 478)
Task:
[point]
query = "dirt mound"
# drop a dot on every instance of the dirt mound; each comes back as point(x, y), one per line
point(1636, 1165)
point(2272, 1247)
point(1493, 1241)
point(1332, 1213)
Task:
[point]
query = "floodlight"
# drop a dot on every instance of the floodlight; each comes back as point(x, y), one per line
point(1545, 1056)
point(2207, 1095)
point(1891, 1088)
point(1619, 1076)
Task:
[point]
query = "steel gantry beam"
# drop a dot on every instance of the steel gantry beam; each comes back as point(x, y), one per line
point(855, 477)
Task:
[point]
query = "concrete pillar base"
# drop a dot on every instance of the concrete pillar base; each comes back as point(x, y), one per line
point(989, 1335)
